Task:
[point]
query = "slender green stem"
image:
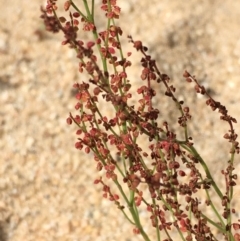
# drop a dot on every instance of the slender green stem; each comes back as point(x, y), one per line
point(205, 167)
point(209, 176)
point(156, 220)
point(221, 228)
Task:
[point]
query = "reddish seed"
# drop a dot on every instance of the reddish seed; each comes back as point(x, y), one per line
point(105, 195)
point(67, 5)
point(234, 176)
point(232, 183)
point(225, 214)
point(123, 74)
point(99, 166)
point(76, 15)
point(236, 226)
point(111, 50)
point(182, 173)
point(197, 88)
point(87, 149)
point(145, 154)
point(136, 231)
point(149, 208)
point(78, 96)
point(176, 165)
point(64, 42)
point(76, 86)
point(90, 44)
point(77, 106)
point(186, 74)
point(237, 237)
point(62, 19)
point(78, 119)
point(79, 132)
point(116, 197)
point(96, 91)
point(80, 42)
point(96, 181)
point(78, 145)
point(233, 120)
point(137, 45)
point(75, 22)
point(226, 136)
point(69, 121)
point(98, 41)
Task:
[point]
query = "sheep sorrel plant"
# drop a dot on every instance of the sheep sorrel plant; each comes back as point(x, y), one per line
point(146, 165)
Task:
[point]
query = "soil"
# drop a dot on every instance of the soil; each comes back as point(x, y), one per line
point(46, 185)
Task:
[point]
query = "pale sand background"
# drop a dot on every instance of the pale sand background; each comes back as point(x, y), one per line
point(46, 190)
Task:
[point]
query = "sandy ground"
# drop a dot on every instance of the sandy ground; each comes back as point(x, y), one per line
point(46, 190)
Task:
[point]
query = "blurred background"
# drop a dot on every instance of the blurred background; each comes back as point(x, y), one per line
point(46, 185)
